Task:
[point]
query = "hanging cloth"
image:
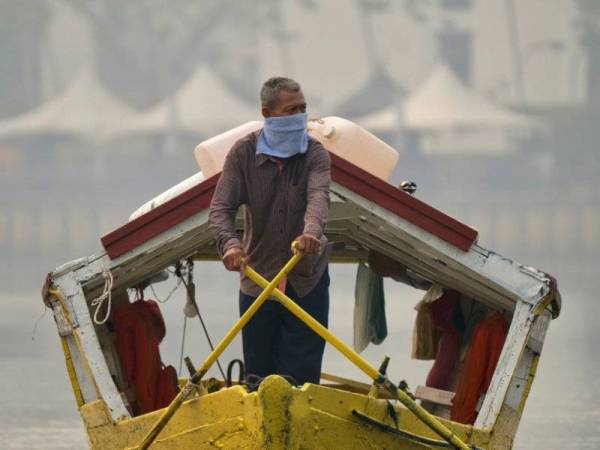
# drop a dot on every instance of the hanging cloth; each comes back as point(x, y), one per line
point(425, 336)
point(369, 308)
point(446, 317)
point(140, 328)
point(480, 364)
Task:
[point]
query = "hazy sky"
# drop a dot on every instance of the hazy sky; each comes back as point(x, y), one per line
point(328, 53)
point(329, 57)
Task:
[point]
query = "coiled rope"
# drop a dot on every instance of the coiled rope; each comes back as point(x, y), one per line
point(106, 295)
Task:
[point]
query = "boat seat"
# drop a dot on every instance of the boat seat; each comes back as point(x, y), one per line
point(433, 395)
point(437, 401)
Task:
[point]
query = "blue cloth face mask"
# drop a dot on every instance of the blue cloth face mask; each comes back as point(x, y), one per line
point(283, 136)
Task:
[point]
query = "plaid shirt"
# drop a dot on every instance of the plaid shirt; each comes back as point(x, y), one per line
point(282, 199)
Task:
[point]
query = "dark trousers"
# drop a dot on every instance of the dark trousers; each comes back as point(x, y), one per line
point(276, 342)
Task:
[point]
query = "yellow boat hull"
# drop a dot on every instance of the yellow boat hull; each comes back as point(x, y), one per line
point(277, 416)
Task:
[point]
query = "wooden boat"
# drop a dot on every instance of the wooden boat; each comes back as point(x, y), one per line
point(367, 215)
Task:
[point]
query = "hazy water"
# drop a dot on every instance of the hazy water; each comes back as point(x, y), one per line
point(38, 409)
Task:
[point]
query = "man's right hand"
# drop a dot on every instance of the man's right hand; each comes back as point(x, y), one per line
point(233, 259)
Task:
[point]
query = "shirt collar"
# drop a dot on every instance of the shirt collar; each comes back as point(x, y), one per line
point(261, 158)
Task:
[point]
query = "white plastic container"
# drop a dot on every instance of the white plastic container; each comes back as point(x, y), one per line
point(339, 136)
point(355, 145)
point(170, 193)
point(210, 154)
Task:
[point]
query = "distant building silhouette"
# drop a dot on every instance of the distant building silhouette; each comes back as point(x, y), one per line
point(588, 26)
point(455, 48)
point(22, 26)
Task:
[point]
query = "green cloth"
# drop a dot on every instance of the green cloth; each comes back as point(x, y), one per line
point(369, 308)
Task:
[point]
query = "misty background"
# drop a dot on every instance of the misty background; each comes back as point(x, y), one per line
point(493, 106)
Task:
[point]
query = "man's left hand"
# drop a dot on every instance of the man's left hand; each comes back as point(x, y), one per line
point(308, 243)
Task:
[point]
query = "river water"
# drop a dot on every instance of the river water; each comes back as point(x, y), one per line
point(39, 412)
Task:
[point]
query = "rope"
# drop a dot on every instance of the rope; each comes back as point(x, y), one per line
point(212, 347)
point(181, 280)
point(171, 292)
point(182, 344)
point(37, 322)
point(106, 295)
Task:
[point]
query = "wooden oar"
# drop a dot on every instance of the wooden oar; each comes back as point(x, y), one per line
point(221, 346)
point(360, 362)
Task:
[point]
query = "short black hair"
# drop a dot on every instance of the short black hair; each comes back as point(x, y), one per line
point(269, 93)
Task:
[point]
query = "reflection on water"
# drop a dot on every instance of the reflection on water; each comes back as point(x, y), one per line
point(39, 411)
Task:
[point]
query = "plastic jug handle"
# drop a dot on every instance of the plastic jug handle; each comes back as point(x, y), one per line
point(319, 125)
point(329, 131)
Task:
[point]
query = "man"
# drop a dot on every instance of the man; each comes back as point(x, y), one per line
point(281, 177)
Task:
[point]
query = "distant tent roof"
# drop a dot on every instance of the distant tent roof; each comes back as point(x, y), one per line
point(385, 120)
point(84, 109)
point(442, 101)
point(379, 91)
point(202, 105)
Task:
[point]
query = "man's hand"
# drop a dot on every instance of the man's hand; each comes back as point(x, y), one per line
point(308, 243)
point(233, 259)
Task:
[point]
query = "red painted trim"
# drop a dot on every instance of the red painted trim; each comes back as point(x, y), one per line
point(160, 219)
point(401, 203)
point(197, 198)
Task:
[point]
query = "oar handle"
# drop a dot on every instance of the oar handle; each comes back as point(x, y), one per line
point(361, 363)
point(221, 346)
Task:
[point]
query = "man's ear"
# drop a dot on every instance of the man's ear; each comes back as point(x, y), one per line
point(266, 112)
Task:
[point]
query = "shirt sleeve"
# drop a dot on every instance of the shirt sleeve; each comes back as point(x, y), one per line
point(227, 199)
point(317, 205)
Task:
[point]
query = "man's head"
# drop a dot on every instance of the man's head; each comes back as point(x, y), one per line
point(281, 96)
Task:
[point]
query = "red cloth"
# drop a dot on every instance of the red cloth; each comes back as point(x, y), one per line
point(442, 316)
point(480, 363)
point(140, 328)
point(167, 387)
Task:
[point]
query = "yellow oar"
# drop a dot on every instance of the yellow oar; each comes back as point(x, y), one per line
point(359, 361)
point(191, 384)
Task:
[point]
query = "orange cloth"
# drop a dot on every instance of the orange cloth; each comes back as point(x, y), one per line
point(480, 364)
